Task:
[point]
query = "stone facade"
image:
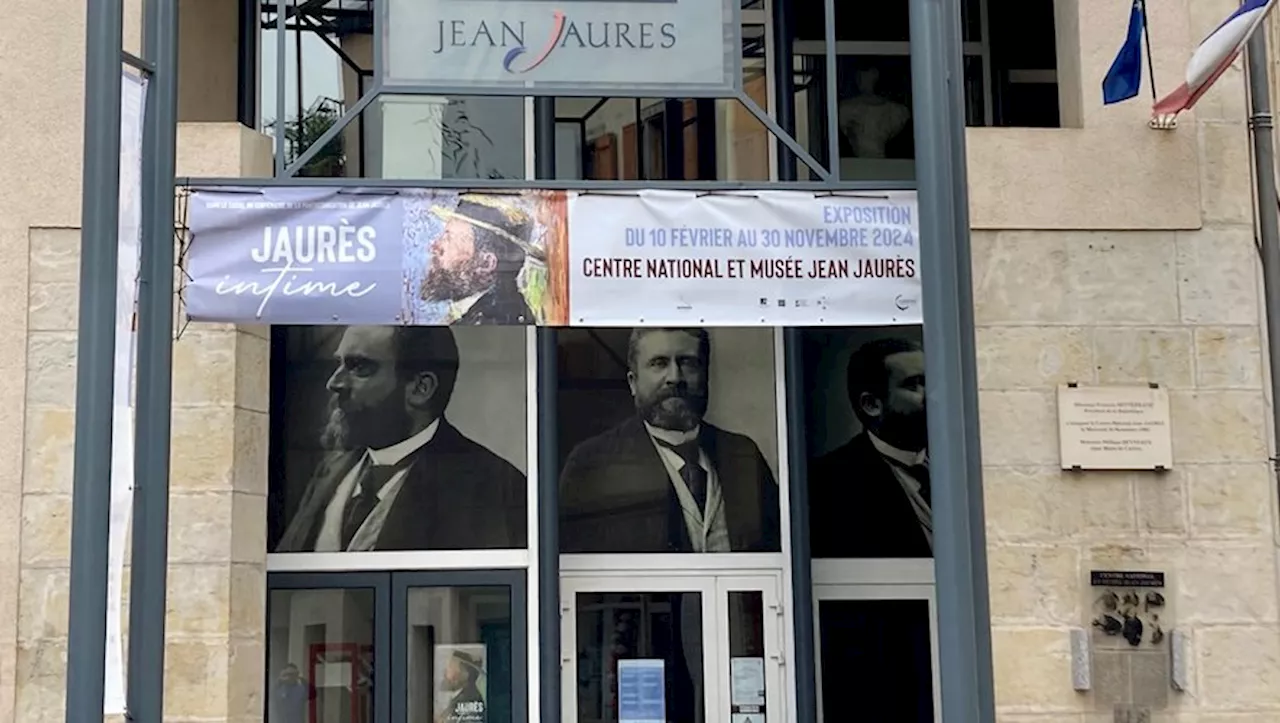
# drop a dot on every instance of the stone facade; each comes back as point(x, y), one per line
point(1135, 303)
point(215, 616)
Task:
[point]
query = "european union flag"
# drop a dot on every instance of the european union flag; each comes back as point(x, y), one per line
point(1124, 79)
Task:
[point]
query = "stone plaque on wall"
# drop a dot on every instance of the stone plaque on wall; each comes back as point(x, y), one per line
point(1114, 428)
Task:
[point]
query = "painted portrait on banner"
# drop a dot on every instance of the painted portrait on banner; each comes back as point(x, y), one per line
point(398, 438)
point(474, 258)
point(669, 440)
point(412, 256)
point(869, 482)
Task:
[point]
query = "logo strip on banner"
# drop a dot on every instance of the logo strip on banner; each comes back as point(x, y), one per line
point(428, 257)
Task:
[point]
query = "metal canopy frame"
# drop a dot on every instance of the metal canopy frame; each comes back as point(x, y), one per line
point(318, 16)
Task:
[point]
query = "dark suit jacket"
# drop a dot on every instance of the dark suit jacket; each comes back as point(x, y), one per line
point(458, 495)
point(504, 304)
point(616, 496)
point(857, 507)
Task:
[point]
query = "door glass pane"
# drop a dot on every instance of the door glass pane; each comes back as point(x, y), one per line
point(746, 656)
point(459, 654)
point(320, 656)
point(877, 662)
point(658, 627)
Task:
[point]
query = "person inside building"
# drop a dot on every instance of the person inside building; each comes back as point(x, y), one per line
point(289, 697)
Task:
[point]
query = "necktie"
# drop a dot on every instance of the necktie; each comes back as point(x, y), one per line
point(920, 473)
point(371, 481)
point(694, 476)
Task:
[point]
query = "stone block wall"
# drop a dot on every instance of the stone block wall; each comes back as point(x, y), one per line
point(215, 616)
point(1177, 307)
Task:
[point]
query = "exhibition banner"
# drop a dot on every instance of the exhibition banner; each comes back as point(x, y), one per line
point(133, 99)
point(295, 255)
point(610, 47)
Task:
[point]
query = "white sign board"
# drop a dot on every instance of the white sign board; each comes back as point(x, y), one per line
point(642, 691)
point(1114, 428)
point(760, 258)
point(512, 46)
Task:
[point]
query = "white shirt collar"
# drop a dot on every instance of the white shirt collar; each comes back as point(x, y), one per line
point(671, 436)
point(459, 308)
point(398, 452)
point(908, 459)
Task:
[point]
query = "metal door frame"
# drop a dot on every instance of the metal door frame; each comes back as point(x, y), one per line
point(380, 583)
point(390, 648)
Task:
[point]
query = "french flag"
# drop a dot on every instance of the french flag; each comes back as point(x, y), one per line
point(1214, 55)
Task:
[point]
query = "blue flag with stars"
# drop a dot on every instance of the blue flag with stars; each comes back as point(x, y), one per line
point(1124, 79)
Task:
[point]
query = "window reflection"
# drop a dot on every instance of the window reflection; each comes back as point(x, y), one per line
point(320, 650)
point(661, 626)
point(447, 137)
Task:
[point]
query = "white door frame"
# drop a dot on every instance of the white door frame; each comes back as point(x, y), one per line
point(714, 587)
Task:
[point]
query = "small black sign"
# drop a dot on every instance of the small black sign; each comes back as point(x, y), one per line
point(1125, 578)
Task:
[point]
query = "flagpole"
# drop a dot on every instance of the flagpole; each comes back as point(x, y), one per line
point(1146, 35)
point(1260, 127)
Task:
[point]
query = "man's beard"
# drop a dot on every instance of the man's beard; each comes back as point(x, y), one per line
point(677, 408)
point(908, 431)
point(373, 428)
point(460, 282)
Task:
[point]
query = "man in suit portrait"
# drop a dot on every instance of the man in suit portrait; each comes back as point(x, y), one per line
point(871, 496)
point(397, 475)
point(664, 480)
point(461, 679)
point(476, 261)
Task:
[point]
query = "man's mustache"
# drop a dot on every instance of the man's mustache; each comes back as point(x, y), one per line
point(677, 391)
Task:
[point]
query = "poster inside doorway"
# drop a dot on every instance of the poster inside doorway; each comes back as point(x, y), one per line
point(642, 691)
point(460, 682)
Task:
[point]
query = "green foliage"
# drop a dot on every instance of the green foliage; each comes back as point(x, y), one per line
point(302, 132)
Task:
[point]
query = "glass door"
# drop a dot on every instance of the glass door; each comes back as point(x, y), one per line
point(397, 647)
point(876, 643)
point(459, 647)
point(327, 635)
point(671, 649)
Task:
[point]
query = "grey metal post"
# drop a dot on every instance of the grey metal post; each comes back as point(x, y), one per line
point(544, 155)
point(968, 352)
point(150, 549)
point(95, 349)
point(1264, 160)
point(781, 66)
point(277, 131)
point(248, 24)
point(801, 565)
point(964, 629)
